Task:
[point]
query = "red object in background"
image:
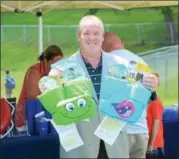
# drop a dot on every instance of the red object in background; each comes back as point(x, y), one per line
point(5, 115)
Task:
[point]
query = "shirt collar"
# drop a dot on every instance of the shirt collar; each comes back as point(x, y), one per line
point(87, 63)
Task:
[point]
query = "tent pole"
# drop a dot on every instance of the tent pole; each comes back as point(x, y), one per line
point(39, 15)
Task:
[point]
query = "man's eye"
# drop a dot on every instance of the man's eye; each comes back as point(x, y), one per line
point(96, 33)
point(70, 107)
point(81, 102)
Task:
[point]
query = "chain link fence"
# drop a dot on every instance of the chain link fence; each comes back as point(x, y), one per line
point(139, 33)
point(165, 62)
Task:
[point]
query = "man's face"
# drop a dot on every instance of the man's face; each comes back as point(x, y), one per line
point(90, 37)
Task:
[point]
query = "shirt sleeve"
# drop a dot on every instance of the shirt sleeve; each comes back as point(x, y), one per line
point(156, 109)
point(153, 96)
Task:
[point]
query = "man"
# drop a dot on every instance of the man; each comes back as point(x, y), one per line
point(138, 132)
point(95, 64)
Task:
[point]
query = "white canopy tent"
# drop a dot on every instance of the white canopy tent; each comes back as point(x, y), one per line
point(45, 6)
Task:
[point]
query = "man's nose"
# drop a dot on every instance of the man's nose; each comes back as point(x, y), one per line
point(92, 37)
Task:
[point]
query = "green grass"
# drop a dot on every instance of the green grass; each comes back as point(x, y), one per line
point(20, 56)
point(72, 17)
point(17, 53)
point(171, 96)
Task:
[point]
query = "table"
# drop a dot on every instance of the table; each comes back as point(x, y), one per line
point(30, 147)
point(171, 131)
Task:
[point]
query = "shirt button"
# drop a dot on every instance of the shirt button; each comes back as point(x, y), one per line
point(95, 78)
point(92, 70)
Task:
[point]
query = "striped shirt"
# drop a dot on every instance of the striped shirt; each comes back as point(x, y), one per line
point(95, 75)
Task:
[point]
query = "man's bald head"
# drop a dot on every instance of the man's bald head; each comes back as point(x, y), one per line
point(112, 42)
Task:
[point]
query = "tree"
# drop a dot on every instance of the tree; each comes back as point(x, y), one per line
point(92, 11)
point(168, 19)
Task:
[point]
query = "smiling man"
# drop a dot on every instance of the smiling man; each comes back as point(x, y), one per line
point(96, 65)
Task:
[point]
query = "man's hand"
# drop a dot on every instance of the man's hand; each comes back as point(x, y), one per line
point(151, 81)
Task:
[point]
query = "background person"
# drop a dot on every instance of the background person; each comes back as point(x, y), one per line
point(9, 84)
point(155, 126)
point(137, 132)
point(30, 89)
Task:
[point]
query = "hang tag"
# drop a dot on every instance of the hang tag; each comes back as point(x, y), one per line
point(109, 129)
point(68, 135)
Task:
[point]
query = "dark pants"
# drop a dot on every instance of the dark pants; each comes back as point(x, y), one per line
point(157, 154)
point(102, 151)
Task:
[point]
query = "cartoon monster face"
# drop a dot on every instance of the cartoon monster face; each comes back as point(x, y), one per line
point(70, 102)
point(124, 109)
point(75, 107)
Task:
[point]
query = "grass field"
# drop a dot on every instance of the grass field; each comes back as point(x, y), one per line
point(72, 17)
point(17, 55)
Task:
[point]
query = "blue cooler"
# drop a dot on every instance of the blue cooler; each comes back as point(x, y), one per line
point(171, 133)
point(32, 108)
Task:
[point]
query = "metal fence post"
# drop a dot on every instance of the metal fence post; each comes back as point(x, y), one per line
point(107, 28)
point(49, 36)
point(24, 33)
point(2, 34)
point(138, 34)
point(166, 75)
point(171, 32)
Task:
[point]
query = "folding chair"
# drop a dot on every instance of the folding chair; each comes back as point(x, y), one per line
point(6, 117)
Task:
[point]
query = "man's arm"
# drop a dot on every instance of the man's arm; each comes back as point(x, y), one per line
point(156, 112)
point(155, 128)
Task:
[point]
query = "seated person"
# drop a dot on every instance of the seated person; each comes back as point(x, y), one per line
point(30, 89)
